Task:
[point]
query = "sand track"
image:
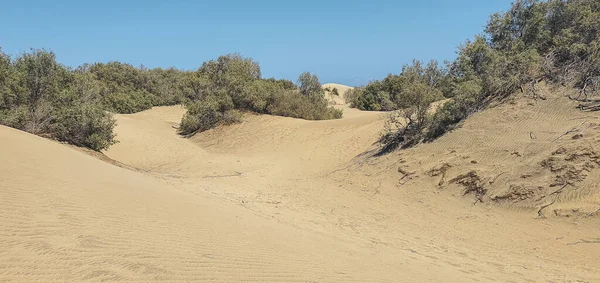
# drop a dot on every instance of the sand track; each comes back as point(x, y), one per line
point(284, 200)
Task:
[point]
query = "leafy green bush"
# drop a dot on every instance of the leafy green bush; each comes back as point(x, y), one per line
point(84, 125)
point(131, 102)
point(309, 85)
point(295, 105)
point(406, 127)
point(126, 89)
point(285, 84)
point(45, 98)
point(448, 116)
point(351, 96)
point(393, 92)
point(224, 88)
point(15, 117)
point(206, 114)
point(260, 94)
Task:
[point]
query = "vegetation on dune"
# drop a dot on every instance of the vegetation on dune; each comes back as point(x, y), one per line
point(43, 97)
point(395, 91)
point(335, 91)
point(555, 41)
point(232, 84)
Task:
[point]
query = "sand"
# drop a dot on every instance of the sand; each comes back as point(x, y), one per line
point(336, 99)
point(276, 199)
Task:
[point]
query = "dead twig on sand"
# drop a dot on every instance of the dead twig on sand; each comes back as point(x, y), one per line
point(557, 193)
point(236, 174)
point(406, 175)
point(559, 190)
point(592, 213)
point(582, 241)
point(377, 189)
point(540, 214)
point(573, 130)
point(586, 117)
point(497, 176)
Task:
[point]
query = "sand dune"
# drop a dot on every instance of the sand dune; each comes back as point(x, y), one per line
point(336, 99)
point(276, 199)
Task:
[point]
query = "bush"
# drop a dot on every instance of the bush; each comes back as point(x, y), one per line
point(295, 105)
point(15, 117)
point(132, 102)
point(406, 127)
point(393, 92)
point(309, 85)
point(127, 89)
point(351, 96)
point(206, 114)
point(224, 88)
point(45, 98)
point(84, 125)
point(260, 94)
point(285, 84)
point(448, 116)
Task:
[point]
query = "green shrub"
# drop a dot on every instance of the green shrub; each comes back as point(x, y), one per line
point(15, 117)
point(393, 92)
point(224, 88)
point(45, 98)
point(126, 103)
point(285, 84)
point(260, 93)
point(206, 114)
point(406, 127)
point(295, 105)
point(309, 85)
point(84, 125)
point(448, 117)
point(126, 89)
point(351, 96)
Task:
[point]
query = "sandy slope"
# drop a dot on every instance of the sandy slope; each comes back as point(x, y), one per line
point(284, 200)
point(336, 99)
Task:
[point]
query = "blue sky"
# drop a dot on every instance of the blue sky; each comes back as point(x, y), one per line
point(350, 42)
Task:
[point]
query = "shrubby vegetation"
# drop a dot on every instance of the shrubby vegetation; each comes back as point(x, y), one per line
point(43, 97)
point(556, 41)
point(126, 89)
point(395, 91)
point(232, 84)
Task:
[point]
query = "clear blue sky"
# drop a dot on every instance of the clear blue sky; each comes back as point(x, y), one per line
point(350, 42)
